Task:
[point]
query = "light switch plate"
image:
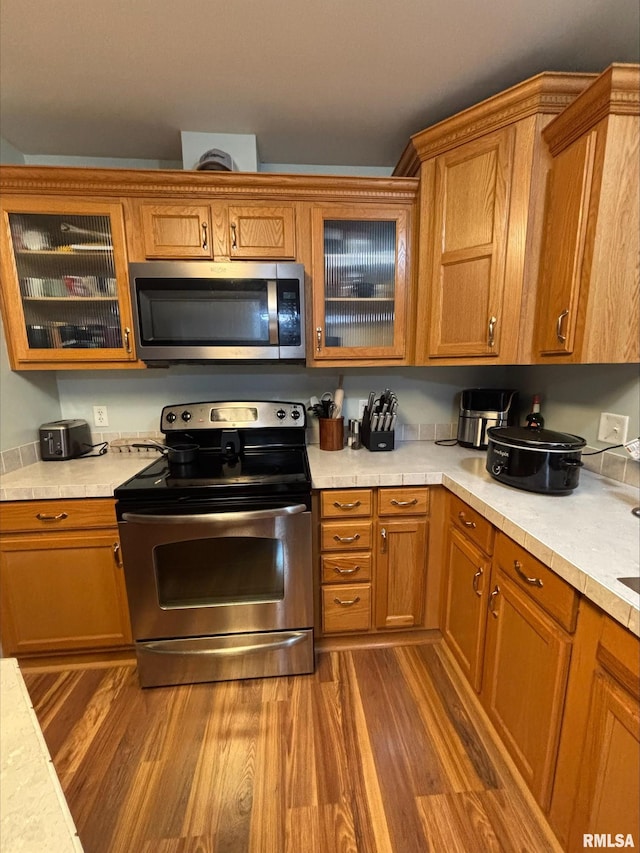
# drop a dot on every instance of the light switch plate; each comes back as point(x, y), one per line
point(613, 428)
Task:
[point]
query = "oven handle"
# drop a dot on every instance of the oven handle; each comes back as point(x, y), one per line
point(165, 648)
point(139, 518)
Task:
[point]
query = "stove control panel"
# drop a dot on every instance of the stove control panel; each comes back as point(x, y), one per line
point(231, 415)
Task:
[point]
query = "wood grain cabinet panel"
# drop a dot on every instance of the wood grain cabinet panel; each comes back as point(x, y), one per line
point(262, 232)
point(471, 524)
point(346, 608)
point(400, 572)
point(177, 231)
point(338, 503)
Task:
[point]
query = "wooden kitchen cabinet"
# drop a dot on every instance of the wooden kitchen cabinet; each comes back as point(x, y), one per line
point(482, 187)
point(61, 579)
point(361, 283)
point(597, 781)
point(65, 296)
point(218, 231)
point(527, 656)
point(587, 306)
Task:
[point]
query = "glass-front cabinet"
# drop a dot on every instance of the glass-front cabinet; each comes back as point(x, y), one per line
point(64, 283)
point(360, 271)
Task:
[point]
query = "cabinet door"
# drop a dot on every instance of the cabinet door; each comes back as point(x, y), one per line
point(563, 251)
point(262, 232)
point(360, 283)
point(471, 213)
point(177, 231)
point(465, 604)
point(400, 572)
point(62, 592)
point(65, 295)
point(525, 675)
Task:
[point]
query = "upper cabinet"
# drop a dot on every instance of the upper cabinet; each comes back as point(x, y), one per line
point(482, 178)
point(217, 231)
point(588, 297)
point(361, 283)
point(65, 296)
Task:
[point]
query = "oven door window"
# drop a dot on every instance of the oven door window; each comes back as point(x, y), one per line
point(205, 313)
point(219, 571)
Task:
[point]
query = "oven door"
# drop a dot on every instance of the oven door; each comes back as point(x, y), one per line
point(216, 573)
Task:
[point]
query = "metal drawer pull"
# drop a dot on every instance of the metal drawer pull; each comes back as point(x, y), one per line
point(561, 338)
point(492, 331)
point(346, 506)
point(353, 538)
point(517, 565)
point(205, 242)
point(476, 578)
point(60, 517)
point(117, 554)
point(492, 602)
point(340, 571)
point(404, 503)
point(466, 523)
point(347, 603)
point(234, 236)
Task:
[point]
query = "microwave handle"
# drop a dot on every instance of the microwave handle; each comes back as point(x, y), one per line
point(272, 308)
point(140, 518)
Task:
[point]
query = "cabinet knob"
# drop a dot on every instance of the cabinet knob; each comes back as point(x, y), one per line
point(353, 538)
point(340, 571)
point(404, 503)
point(339, 505)
point(234, 236)
point(127, 339)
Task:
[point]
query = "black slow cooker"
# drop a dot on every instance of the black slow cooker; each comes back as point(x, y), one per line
point(539, 460)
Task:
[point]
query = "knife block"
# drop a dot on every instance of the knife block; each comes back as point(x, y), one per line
point(377, 440)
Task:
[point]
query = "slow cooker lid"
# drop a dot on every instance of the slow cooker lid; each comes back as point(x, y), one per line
point(539, 439)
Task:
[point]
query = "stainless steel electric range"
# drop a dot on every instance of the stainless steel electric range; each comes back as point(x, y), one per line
point(217, 549)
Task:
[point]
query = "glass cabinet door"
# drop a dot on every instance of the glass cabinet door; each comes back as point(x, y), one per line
point(70, 300)
point(359, 304)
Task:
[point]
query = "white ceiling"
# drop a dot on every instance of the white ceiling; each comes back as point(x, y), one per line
point(318, 81)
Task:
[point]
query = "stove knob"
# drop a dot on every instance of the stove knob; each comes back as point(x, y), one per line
point(496, 468)
point(171, 416)
point(186, 416)
point(295, 414)
point(281, 414)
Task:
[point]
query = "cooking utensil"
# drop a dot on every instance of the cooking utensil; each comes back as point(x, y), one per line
point(178, 454)
point(338, 399)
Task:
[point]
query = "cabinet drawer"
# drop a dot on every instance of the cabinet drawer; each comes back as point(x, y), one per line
point(471, 523)
point(337, 503)
point(57, 515)
point(346, 608)
point(343, 568)
point(411, 501)
point(345, 535)
point(552, 593)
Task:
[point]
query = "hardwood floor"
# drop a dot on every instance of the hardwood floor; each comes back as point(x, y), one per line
point(375, 752)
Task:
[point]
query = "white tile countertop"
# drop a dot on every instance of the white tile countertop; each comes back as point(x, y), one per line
point(34, 815)
point(589, 538)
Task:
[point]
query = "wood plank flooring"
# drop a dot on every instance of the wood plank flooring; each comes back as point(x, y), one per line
point(376, 752)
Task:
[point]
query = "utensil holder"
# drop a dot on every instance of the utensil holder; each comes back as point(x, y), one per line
point(331, 433)
point(377, 440)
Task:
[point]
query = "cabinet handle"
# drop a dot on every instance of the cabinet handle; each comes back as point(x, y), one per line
point(318, 338)
point(205, 236)
point(353, 538)
point(353, 505)
point(517, 565)
point(127, 339)
point(404, 503)
point(340, 571)
point(347, 603)
point(492, 602)
point(463, 519)
point(234, 236)
point(383, 534)
point(60, 517)
point(476, 578)
point(117, 554)
point(561, 338)
point(492, 331)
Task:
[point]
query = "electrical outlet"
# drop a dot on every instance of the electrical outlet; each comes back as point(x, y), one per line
point(361, 405)
point(613, 428)
point(100, 417)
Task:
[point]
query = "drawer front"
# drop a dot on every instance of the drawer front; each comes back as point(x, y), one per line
point(343, 568)
point(47, 516)
point(552, 593)
point(405, 501)
point(346, 608)
point(345, 535)
point(339, 503)
point(472, 524)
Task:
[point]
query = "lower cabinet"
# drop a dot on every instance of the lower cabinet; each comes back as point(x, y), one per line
point(373, 545)
point(61, 579)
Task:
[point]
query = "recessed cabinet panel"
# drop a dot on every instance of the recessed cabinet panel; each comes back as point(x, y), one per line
point(176, 231)
point(262, 232)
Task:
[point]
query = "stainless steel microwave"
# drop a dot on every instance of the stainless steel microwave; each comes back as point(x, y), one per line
point(198, 311)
